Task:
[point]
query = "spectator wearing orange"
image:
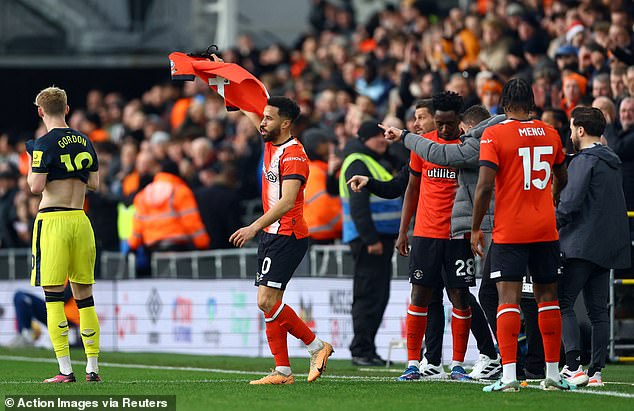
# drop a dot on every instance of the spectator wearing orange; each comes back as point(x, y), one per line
point(574, 88)
point(467, 46)
point(91, 125)
point(490, 95)
point(321, 210)
point(145, 167)
point(166, 216)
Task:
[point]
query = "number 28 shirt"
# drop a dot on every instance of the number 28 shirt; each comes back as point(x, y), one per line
point(523, 153)
point(287, 161)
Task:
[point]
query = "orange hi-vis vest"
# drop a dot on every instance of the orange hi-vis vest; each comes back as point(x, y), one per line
point(166, 211)
point(321, 210)
point(240, 89)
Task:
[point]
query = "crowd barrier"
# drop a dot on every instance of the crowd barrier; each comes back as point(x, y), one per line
point(615, 336)
point(327, 261)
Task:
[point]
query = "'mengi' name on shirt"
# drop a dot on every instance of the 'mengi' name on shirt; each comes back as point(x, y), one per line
point(532, 131)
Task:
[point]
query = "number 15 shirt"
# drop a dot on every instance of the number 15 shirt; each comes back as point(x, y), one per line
point(523, 153)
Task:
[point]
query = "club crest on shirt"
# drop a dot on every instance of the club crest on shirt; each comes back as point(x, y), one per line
point(270, 176)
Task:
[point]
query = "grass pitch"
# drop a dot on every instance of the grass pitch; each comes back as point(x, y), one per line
point(221, 383)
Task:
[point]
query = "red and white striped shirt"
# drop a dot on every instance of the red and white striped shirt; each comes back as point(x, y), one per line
point(285, 162)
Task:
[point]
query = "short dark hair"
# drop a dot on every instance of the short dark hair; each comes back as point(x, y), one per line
point(558, 113)
point(447, 101)
point(517, 94)
point(475, 115)
point(590, 118)
point(287, 108)
point(425, 103)
point(169, 166)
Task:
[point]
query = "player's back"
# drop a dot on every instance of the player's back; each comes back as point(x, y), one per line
point(67, 157)
point(524, 153)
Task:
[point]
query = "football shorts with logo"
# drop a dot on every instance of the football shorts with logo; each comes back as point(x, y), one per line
point(63, 246)
point(278, 258)
point(435, 262)
point(509, 262)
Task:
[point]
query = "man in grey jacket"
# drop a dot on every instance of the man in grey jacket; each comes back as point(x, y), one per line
point(594, 237)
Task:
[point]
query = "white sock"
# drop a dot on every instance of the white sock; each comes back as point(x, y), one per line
point(316, 345)
point(456, 364)
point(413, 363)
point(65, 366)
point(92, 365)
point(552, 371)
point(509, 373)
point(284, 370)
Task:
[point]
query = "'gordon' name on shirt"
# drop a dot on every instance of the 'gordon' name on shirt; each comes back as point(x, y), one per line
point(66, 140)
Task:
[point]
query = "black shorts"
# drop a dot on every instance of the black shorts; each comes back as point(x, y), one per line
point(527, 282)
point(510, 261)
point(278, 258)
point(430, 255)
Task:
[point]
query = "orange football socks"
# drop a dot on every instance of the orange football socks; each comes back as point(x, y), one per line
point(416, 323)
point(549, 318)
point(460, 328)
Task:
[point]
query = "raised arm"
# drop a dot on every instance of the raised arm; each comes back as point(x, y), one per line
point(255, 118)
point(464, 155)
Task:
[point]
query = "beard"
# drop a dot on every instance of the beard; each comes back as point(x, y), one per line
point(576, 144)
point(268, 136)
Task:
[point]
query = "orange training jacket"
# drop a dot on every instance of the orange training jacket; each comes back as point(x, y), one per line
point(321, 210)
point(166, 210)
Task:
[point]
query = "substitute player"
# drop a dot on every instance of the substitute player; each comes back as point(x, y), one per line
point(285, 238)
point(63, 165)
point(436, 258)
point(517, 158)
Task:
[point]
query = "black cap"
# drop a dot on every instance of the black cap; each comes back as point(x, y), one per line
point(168, 166)
point(530, 19)
point(535, 46)
point(313, 137)
point(369, 129)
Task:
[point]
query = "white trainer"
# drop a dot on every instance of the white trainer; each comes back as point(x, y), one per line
point(576, 377)
point(431, 372)
point(596, 380)
point(486, 368)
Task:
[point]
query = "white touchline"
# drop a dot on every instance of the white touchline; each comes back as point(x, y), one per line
point(240, 372)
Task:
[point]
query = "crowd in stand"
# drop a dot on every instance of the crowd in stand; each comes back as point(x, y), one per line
point(342, 72)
